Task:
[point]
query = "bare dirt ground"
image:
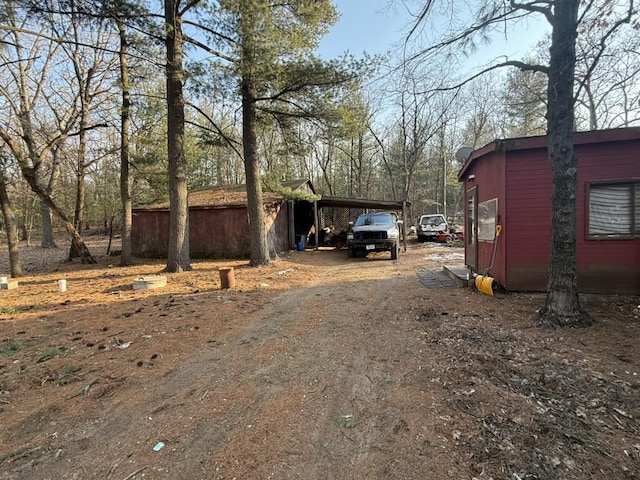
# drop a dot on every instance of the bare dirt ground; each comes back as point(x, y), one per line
point(315, 367)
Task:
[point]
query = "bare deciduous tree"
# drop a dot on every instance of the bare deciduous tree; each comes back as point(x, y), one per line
point(31, 136)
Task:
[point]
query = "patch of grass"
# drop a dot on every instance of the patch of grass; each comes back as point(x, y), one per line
point(439, 443)
point(10, 346)
point(66, 376)
point(7, 310)
point(389, 381)
point(49, 353)
point(346, 421)
point(68, 369)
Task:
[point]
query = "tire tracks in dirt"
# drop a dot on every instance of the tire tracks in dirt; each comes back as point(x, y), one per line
point(309, 385)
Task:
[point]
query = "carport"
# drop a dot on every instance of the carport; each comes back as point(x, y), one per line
point(335, 213)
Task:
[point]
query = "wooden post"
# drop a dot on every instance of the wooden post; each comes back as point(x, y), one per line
point(404, 224)
point(316, 223)
point(227, 278)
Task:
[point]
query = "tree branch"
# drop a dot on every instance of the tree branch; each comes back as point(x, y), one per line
point(603, 47)
point(525, 67)
point(208, 49)
point(421, 16)
point(187, 7)
point(211, 31)
point(228, 140)
point(531, 7)
point(466, 33)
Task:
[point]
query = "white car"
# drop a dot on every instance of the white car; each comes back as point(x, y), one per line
point(430, 227)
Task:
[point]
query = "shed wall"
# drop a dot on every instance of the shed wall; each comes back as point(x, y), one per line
point(529, 188)
point(221, 232)
point(213, 233)
point(606, 263)
point(602, 265)
point(277, 222)
point(490, 182)
point(150, 234)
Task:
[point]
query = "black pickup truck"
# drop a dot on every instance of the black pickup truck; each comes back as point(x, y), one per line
point(374, 232)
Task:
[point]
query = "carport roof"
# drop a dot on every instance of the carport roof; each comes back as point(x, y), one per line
point(344, 202)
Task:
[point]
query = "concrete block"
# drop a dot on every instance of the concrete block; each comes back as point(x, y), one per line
point(10, 285)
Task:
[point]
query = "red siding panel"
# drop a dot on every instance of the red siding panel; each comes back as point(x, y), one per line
point(528, 220)
point(222, 232)
point(215, 233)
point(150, 234)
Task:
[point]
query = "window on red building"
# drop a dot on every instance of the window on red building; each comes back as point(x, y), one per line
point(613, 210)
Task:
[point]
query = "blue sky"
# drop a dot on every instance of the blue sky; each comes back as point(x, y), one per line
point(376, 26)
point(365, 25)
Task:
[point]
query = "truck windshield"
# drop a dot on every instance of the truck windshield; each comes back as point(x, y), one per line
point(374, 219)
point(433, 220)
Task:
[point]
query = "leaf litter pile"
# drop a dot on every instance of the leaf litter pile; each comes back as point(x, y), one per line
point(527, 404)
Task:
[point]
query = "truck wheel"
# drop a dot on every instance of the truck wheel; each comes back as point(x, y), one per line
point(351, 252)
point(394, 251)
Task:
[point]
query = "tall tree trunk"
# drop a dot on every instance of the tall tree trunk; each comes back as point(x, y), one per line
point(258, 241)
point(178, 258)
point(48, 240)
point(562, 307)
point(12, 230)
point(255, 206)
point(125, 180)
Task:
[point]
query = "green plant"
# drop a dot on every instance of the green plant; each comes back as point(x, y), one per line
point(49, 353)
point(346, 421)
point(10, 346)
point(271, 184)
point(65, 375)
point(7, 310)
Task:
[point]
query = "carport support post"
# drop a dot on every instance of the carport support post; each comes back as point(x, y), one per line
point(316, 222)
point(404, 224)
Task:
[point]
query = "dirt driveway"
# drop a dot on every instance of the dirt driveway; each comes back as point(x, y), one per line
point(316, 367)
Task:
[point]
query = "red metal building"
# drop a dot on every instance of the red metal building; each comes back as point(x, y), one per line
point(508, 184)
